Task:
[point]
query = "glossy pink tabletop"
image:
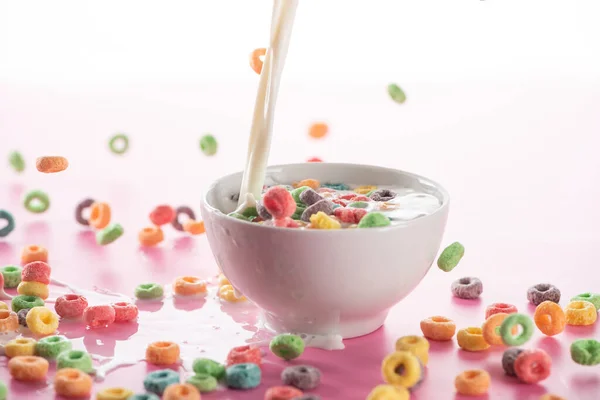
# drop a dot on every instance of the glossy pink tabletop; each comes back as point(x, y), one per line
point(520, 165)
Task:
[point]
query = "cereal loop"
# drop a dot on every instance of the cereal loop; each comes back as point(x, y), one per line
point(37, 271)
point(41, 199)
point(467, 288)
point(417, 345)
point(533, 366)
point(282, 393)
point(586, 352)
point(321, 220)
point(389, 392)
point(181, 391)
point(475, 382)
point(125, 312)
point(543, 292)
point(450, 257)
point(496, 308)
point(9, 322)
point(243, 355)
point(491, 329)
point(109, 234)
point(438, 328)
point(10, 223)
point(81, 207)
point(401, 368)
point(33, 289)
point(189, 286)
point(162, 215)
point(162, 353)
point(70, 306)
point(51, 164)
point(194, 227)
point(508, 360)
point(119, 143)
point(550, 318)
point(99, 215)
point(16, 161)
point(318, 130)
point(20, 347)
point(34, 253)
point(581, 313)
point(72, 383)
point(41, 321)
point(114, 393)
point(507, 329)
point(28, 368)
point(279, 202)
point(593, 298)
point(311, 183)
point(255, 62)
point(99, 316)
point(185, 211)
point(365, 189)
point(227, 293)
point(471, 339)
point(151, 236)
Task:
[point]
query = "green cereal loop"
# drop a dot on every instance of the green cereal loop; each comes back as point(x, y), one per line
point(12, 276)
point(250, 213)
point(210, 367)
point(374, 220)
point(203, 382)
point(336, 186)
point(39, 196)
point(109, 234)
point(24, 301)
point(149, 291)
point(119, 137)
point(238, 216)
point(50, 347)
point(17, 161)
point(593, 298)
point(3, 391)
point(451, 256)
point(359, 204)
point(297, 192)
point(287, 346)
point(586, 352)
point(10, 223)
point(370, 193)
point(208, 144)
point(299, 210)
point(75, 359)
point(509, 322)
point(396, 93)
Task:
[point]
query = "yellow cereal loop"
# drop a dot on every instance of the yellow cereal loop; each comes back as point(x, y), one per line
point(471, 339)
point(581, 312)
point(3, 306)
point(321, 220)
point(417, 345)
point(223, 280)
point(41, 321)
point(227, 293)
point(365, 189)
point(114, 393)
point(33, 289)
point(401, 368)
point(20, 347)
point(389, 392)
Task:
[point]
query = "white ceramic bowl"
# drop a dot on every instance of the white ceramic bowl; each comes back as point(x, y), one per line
point(324, 282)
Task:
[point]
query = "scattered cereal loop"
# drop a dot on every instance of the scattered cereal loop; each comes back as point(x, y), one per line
point(51, 164)
point(204, 382)
point(28, 368)
point(304, 377)
point(41, 321)
point(185, 211)
point(593, 298)
point(114, 393)
point(99, 316)
point(490, 329)
point(189, 286)
point(282, 393)
point(314, 159)
point(34, 253)
point(36, 202)
point(10, 223)
point(417, 345)
point(243, 376)
point(20, 347)
point(76, 359)
point(157, 381)
point(471, 339)
point(208, 367)
point(109, 234)
point(194, 227)
point(508, 360)
point(208, 144)
point(507, 329)
point(255, 59)
point(119, 144)
point(495, 308)
point(468, 288)
point(70, 306)
point(151, 236)
point(543, 292)
point(11, 275)
point(162, 353)
point(287, 346)
point(50, 347)
point(474, 382)
point(389, 392)
point(401, 368)
point(586, 352)
point(17, 162)
point(181, 391)
point(318, 130)
point(244, 354)
point(532, 366)
point(100, 215)
point(149, 291)
point(438, 328)
point(581, 313)
point(72, 383)
point(450, 257)
point(550, 318)
point(396, 93)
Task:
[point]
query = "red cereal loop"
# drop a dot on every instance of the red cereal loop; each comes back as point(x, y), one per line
point(359, 213)
point(496, 308)
point(279, 202)
point(350, 215)
point(349, 196)
point(361, 197)
point(162, 215)
point(282, 393)
point(99, 316)
point(36, 271)
point(533, 366)
point(125, 312)
point(341, 202)
point(314, 159)
point(70, 306)
point(244, 354)
point(286, 222)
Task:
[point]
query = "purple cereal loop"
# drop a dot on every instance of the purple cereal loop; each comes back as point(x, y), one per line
point(22, 315)
point(467, 288)
point(304, 377)
point(182, 210)
point(79, 211)
point(508, 360)
point(382, 195)
point(310, 197)
point(262, 211)
point(543, 292)
point(324, 205)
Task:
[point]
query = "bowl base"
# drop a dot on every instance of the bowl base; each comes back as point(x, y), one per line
point(338, 327)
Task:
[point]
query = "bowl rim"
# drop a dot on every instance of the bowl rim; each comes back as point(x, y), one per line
point(442, 209)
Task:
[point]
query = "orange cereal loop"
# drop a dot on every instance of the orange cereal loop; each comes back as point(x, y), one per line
point(549, 396)
point(550, 318)
point(162, 353)
point(9, 322)
point(318, 130)
point(580, 312)
point(181, 391)
point(194, 227)
point(255, 62)
point(189, 286)
point(491, 326)
point(114, 393)
point(72, 383)
point(99, 215)
point(151, 236)
point(438, 328)
point(471, 339)
point(474, 382)
point(311, 183)
point(33, 253)
point(28, 368)
point(50, 164)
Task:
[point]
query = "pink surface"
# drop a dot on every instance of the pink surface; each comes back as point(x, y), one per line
point(520, 168)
